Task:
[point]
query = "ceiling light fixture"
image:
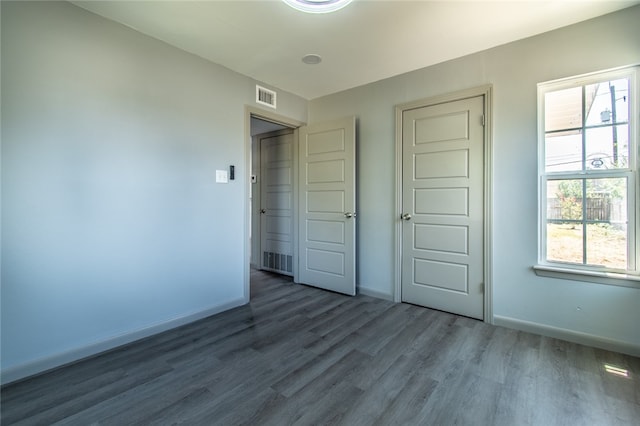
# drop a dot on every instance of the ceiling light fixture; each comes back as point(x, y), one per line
point(317, 6)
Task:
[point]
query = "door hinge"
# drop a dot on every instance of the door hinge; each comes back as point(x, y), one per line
point(482, 119)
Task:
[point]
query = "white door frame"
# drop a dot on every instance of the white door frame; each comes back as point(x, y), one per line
point(486, 91)
point(285, 121)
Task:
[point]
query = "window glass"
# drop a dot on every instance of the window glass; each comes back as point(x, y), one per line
point(563, 109)
point(599, 103)
point(564, 201)
point(563, 151)
point(607, 147)
point(564, 243)
point(587, 221)
point(607, 245)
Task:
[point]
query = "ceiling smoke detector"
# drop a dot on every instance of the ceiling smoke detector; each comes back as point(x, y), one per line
point(317, 6)
point(311, 59)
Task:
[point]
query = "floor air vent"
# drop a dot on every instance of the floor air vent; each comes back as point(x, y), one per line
point(277, 262)
point(265, 96)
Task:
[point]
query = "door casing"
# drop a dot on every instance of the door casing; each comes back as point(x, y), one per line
point(486, 92)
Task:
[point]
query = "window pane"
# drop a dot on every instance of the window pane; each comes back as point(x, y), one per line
point(563, 109)
point(607, 245)
point(598, 100)
point(564, 221)
point(607, 200)
point(563, 151)
point(603, 211)
point(564, 200)
point(564, 242)
point(622, 100)
point(602, 153)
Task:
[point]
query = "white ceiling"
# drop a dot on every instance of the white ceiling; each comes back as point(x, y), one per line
point(368, 40)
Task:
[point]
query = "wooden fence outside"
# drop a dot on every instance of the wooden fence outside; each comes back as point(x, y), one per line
point(601, 209)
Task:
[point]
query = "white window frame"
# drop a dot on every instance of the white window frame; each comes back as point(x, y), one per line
point(596, 274)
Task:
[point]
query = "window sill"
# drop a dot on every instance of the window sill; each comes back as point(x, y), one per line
point(624, 280)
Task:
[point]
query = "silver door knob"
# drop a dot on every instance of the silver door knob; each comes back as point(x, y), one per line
point(262, 211)
point(349, 215)
point(405, 216)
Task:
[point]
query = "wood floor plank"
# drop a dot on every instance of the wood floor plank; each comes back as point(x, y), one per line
point(381, 394)
point(408, 406)
point(304, 402)
point(301, 355)
point(348, 326)
point(254, 409)
point(172, 413)
point(395, 347)
point(76, 406)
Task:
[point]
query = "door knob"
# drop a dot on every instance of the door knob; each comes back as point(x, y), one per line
point(405, 216)
point(262, 211)
point(349, 215)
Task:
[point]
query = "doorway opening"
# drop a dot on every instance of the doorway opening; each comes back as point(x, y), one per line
point(268, 133)
point(273, 210)
point(312, 187)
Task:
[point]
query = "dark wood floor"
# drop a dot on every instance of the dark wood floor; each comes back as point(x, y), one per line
point(299, 355)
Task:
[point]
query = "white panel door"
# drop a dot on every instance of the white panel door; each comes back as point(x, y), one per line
point(442, 197)
point(327, 197)
point(276, 199)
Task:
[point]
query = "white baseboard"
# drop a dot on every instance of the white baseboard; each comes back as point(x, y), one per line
point(375, 293)
point(568, 335)
point(41, 365)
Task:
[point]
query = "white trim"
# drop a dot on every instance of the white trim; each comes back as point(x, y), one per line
point(588, 78)
point(255, 193)
point(41, 365)
point(568, 335)
point(397, 296)
point(488, 205)
point(486, 92)
point(295, 171)
point(574, 274)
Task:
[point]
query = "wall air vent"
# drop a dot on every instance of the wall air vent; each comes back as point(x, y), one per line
point(265, 96)
point(277, 262)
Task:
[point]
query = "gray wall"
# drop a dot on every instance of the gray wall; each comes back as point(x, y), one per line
point(521, 299)
point(112, 224)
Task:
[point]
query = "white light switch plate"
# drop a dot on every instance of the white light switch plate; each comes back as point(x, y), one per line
point(221, 176)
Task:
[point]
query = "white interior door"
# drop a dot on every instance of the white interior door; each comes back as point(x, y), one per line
point(443, 172)
point(327, 206)
point(276, 199)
